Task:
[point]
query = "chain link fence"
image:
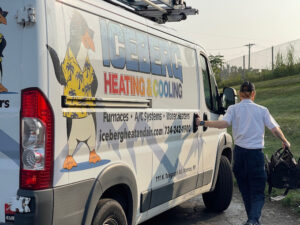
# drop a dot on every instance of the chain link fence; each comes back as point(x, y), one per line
point(267, 60)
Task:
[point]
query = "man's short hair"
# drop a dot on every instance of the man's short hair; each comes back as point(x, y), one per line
point(247, 86)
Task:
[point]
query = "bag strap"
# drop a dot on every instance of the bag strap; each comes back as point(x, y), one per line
point(281, 153)
point(270, 191)
point(278, 150)
point(285, 151)
point(278, 197)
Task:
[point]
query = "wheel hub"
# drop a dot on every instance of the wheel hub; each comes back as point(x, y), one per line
point(110, 221)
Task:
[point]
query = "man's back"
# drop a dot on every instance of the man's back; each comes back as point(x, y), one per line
point(248, 122)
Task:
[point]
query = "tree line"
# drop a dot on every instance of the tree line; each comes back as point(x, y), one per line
point(283, 66)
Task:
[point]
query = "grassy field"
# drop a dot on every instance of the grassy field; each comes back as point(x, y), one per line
point(282, 97)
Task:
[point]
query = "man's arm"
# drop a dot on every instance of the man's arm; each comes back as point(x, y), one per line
point(220, 124)
point(276, 131)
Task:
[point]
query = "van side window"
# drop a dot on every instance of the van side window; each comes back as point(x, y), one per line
point(206, 82)
point(210, 88)
point(214, 92)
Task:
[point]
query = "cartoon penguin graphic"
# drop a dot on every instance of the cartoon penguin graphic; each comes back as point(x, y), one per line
point(78, 77)
point(3, 20)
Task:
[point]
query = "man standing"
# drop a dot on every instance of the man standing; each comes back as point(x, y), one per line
point(248, 121)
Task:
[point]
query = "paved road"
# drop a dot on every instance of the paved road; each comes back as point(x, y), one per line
point(193, 212)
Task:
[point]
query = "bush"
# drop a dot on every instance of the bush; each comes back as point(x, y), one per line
point(280, 70)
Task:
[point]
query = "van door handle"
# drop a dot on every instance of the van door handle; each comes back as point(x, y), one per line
point(205, 119)
point(195, 127)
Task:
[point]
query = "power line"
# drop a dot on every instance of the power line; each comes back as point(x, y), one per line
point(222, 49)
point(232, 37)
point(235, 56)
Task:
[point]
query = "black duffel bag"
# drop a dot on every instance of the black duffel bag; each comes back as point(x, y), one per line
point(283, 171)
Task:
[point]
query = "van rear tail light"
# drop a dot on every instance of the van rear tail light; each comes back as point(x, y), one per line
point(33, 144)
point(37, 136)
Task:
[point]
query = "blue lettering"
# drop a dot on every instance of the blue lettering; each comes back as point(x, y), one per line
point(176, 62)
point(131, 50)
point(180, 90)
point(166, 58)
point(155, 56)
point(166, 88)
point(140, 52)
point(161, 88)
point(117, 46)
point(105, 45)
point(143, 50)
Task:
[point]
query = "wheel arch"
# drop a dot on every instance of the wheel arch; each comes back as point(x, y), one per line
point(225, 149)
point(117, 182)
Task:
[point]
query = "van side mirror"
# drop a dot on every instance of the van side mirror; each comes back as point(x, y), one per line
point(228, 98)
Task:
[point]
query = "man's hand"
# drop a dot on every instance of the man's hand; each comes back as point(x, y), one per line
point(198, 120)
point(286, 144)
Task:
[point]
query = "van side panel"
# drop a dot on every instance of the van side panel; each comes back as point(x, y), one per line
point(78, 38)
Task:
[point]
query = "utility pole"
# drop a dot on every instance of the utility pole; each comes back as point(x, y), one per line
point(272, 58)
point(249, 46)
point(244, 67)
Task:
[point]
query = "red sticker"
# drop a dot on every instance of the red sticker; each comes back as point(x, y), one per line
point(9, 214)
point(8, 210)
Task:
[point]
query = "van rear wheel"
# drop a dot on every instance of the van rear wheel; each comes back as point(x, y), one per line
point(219, 199)
point(109, 212)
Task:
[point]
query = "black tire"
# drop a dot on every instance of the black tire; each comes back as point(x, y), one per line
point(109, 212)
point(219, 199)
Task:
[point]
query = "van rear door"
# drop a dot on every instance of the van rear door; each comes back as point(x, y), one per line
point(11, 54)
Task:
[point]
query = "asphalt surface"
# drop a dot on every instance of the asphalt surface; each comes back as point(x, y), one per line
point(193, 212)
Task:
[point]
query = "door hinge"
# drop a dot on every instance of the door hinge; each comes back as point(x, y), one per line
point(26, 16)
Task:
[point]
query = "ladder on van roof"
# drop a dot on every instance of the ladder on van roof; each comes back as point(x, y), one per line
point(160, 11)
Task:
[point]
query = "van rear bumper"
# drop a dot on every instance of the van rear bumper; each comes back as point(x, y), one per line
point(56, 206)
point(41, 208)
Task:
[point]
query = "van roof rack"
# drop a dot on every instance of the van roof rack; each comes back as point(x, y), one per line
point(160, 11)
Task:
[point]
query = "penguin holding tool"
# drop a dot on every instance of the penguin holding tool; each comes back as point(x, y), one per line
point(78, 77)
point(3, 20)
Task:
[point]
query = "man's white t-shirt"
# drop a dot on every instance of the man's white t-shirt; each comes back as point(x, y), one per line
point(248, 122)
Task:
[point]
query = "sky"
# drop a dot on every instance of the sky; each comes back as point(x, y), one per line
point(225, 26)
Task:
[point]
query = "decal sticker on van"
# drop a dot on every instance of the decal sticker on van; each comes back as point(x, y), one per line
point(78, 81)
point(128, 85)
point(3, 21)
point(9, 214)
point(4, 103)
point(124, 47)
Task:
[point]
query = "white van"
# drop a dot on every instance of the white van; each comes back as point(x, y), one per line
point(97, 112)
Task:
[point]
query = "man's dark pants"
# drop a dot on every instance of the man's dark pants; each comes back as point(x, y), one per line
point(249, 170)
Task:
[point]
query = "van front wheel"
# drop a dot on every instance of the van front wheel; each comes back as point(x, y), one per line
point(219, 199)
point(109, 212)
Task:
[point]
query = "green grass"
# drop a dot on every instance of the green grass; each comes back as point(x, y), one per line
point(282, 97)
